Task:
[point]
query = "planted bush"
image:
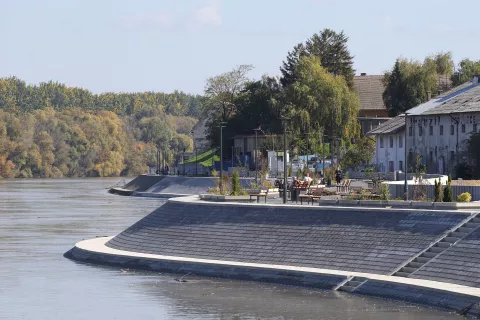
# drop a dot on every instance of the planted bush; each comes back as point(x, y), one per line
point(464, 197)
point(236, 188)
point(384, 192)
point(447, 193)
point(438, 191)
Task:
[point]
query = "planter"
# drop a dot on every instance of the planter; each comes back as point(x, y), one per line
point(348, 203)
point(328, 202)
point(400, 203)
point(422, 205)
point(373, 203)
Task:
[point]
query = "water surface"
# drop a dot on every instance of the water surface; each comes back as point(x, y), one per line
point(42, 219)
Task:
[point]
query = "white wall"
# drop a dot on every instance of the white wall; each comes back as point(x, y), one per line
point(436, 149)
point(387, 153)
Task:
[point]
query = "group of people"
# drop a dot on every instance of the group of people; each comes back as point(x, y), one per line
point(165, 170)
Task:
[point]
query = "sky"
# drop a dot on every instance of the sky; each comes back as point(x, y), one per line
point(167, 45)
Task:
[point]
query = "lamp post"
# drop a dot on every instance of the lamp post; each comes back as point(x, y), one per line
point(405, 187)
point(222, 125)
point(183, 161)
point(255, 152)
point(195, 147)
point(285, 180)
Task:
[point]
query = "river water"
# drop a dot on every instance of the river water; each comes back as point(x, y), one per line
point(42, 219)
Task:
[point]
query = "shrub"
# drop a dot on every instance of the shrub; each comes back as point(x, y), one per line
point(438, 191)
point(447, 193)
point(236, 184)
point(384, 192)
point(290, 171)
point(464, 197)
point(214, 173)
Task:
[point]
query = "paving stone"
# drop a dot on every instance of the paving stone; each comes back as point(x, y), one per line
point(344, 239)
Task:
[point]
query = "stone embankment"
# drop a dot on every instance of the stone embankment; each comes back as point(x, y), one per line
point(360, 250)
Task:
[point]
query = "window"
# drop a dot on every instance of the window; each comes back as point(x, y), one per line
point(400, 165)
point(452, 155)
point(452, 130)
point(441, 130)
point(381, 142)
point(391, 142)
point(391, 167)
point(410, 131)
point(420, 131)
point(463, 127)
point(430, 129)
point(431, 156)
point(400, 142)
point(474, 127)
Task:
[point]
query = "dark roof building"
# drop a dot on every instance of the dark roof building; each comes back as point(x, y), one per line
point(370, 92)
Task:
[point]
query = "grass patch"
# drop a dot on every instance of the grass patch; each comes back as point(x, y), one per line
point(205, 159)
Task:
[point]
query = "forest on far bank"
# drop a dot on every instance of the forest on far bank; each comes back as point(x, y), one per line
point(52, 131)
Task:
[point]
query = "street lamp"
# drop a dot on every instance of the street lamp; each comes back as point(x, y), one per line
point(221, 125)
point(284, 123)
point(406, 161)
point(255, 151)
point(183, 161)
point(195, 147)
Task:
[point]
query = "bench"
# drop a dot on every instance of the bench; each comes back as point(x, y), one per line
point(259, 195)
point(315, 193)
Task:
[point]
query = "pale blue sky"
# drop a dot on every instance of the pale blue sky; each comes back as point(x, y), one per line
point(120, 45)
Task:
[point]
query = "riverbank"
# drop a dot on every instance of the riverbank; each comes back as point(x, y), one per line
point(361, 250)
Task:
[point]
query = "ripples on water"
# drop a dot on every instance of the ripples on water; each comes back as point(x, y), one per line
point(42, 219)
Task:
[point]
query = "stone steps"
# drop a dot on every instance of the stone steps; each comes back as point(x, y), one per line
point(352, 284)
point(443, 244)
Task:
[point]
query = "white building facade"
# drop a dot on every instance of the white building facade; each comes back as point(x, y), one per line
point(437, 131)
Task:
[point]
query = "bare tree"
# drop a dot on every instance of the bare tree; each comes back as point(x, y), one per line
point(221, 90)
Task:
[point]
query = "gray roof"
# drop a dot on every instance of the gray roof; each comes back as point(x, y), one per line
point(369, 90)
point(466, 100)
point(391, 126)
point(463, 98)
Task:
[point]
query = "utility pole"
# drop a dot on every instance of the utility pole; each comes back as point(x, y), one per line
point(406, 161)
point(285, 175)
point(222, 125)
point(256, 156)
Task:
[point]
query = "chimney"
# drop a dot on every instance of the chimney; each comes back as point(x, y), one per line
point(476, 78)
point(363, 74)
point(429, 95)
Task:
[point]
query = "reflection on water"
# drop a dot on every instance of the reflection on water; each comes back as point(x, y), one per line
point(42, 219)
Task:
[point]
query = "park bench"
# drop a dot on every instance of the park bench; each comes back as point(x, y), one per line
point(314, 193)
point(259, 195)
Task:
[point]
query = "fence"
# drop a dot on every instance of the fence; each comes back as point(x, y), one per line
point(397, 191)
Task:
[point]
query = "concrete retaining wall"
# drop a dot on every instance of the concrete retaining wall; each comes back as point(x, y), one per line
point(287, 277)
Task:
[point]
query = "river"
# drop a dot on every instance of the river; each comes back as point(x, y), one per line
point(42, 219)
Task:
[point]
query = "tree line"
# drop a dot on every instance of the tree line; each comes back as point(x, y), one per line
point(16, 96)
point(69, 132)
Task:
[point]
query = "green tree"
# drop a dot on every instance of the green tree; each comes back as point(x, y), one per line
point(466, 70)
point(447, 193)
point(407, 85)
point(438, 191)
point(360, 153)
point(288, 67)
point(320, 103)
point(332, 50)
point(236, 183)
